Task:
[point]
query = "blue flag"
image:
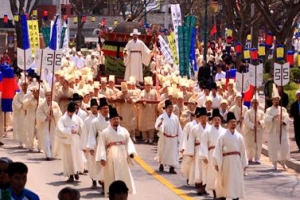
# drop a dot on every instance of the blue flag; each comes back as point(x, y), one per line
point(25, 35)
point(53, 40)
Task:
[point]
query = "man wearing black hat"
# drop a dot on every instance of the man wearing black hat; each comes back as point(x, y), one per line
point(97, 126)
point(193, 146)
point(91, 162)
point(208, 143)
point(118, 191)
point(230, 161)
point(69, 130)
point(170, 135)
point(216, 99)
point(115, 152)
point(77, 99)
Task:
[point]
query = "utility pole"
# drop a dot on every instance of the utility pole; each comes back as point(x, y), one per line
point(205, 31)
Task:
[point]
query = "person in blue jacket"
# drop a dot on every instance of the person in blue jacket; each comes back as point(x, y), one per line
point(17, 173)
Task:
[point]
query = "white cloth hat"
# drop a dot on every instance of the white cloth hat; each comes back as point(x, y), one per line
point(111, 78)
point(298, 91)
point(148, 80)
point(103, 79)
point(135, 32)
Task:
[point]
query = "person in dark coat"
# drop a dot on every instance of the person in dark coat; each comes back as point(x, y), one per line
point(295, 113)
point(284, 98)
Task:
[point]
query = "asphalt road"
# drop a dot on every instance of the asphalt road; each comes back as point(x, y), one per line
point(45, 178)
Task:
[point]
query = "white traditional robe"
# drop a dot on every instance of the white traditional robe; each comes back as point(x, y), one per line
point(30, 105)
point(277, 151)
point(147, 112)
point(193, 149)
point(70, 143)
point(186, 160)
point(19, 116)
point(108, 93)
point(115, 148)
point(208, 143)
point(91, 162)
point(96, 127)
point(169, 138)
point(216, 101)
point(63, 93)
point(138, 54)
point(42, 126)
point(253, 148)
point(127, 111)
point(230, 178)
point(237, 112)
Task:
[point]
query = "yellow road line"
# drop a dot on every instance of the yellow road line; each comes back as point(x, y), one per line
point(161, 179)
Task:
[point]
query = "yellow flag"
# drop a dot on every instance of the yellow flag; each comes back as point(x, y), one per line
point(34, 34)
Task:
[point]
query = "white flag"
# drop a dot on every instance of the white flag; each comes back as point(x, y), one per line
point(281, 74)
point(256, 72)
point(25, 58)
point(242, 82)
point(51, 58)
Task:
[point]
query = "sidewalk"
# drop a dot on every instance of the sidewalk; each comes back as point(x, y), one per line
point(294, 162)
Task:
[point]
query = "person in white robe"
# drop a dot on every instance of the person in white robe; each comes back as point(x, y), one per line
point(47, 116)
point(115, 152)
point(97, 126)
point(136, 53)
point(170, 134)
point(30, 103)
point(197, 175)
point(147, 111)
point(216, 99)
point(208, 143)
point(239, 111)
point(19, 115)
point(186, 160)
point(253, 131)
point(69, 129)
point(84, 139)
point(230, 161)
point(278, 144)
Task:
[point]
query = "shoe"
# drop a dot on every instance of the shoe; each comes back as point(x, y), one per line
point(70, 180)
point(86, 171)
point(146, 141)
point(94, 185)
point(172, 170)
point(150, 141)
point(257, 162)
point(187, 181)
point(282, 163)
point(48, 159)
point(274, 166)
point(161, 168)
point(30, 150)
point(76, 177)
point(1, 143)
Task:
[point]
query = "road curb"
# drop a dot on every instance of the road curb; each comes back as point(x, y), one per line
point(292, 163)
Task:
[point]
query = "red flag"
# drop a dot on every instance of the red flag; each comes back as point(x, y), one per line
point(213, 30)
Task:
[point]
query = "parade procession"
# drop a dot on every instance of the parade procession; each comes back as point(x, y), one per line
point(189, 109)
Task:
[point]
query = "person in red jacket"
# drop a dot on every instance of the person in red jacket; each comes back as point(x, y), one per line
point(5, 59)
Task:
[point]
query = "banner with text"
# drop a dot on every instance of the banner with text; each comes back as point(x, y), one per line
point(173, 47)
point(34, 34)
point(165, 49)
point(177, 21)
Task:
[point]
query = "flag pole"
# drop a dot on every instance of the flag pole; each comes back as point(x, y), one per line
point(52, 86)
point(242, 98)
point(40, 74)
point(281, 93)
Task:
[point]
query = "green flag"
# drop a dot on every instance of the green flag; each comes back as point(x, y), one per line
point(46, 35)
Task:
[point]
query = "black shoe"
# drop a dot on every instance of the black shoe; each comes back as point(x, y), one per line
point(1, 143)
point(94, 185)
point(172, 170)
point(48, 159)
point(71, 179)
point(161, 168)
point(86, 171)
point(76, 177)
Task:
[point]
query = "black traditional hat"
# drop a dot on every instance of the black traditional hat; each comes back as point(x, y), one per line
point(167, 103)
point(103, 102)
point(200, 111)
point(113, 113)
point(71, 107)
point(93, 102)
point(216, 113)
point(213, 85)
point(76, 97)
point(230, 116)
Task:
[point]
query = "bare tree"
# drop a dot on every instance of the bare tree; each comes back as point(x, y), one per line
point(19, 7)
point(280, 17)
point(82, 8)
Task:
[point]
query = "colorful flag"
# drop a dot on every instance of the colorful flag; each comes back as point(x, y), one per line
point(213, 30)
point(9, 89)
point(25, 35)
point(53, 40)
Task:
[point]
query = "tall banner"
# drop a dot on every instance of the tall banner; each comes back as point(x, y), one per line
point(66, 37)
point(165, 50)
point(177, 21)
point(46, 35)
point(34, 34)
point(173, 47)
point(192, 51)
point(183, 52)
point(55, 33)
